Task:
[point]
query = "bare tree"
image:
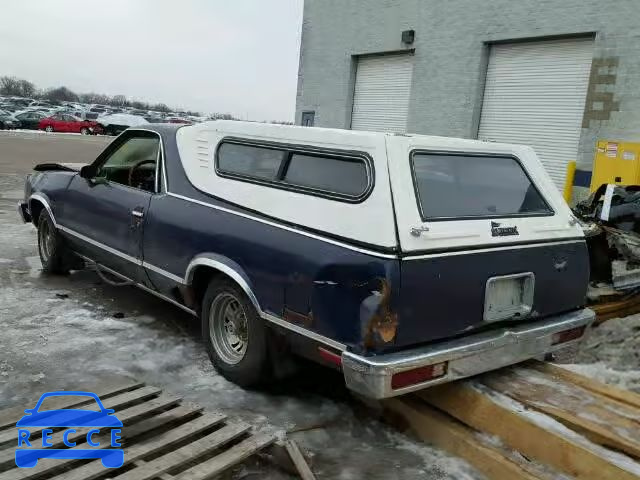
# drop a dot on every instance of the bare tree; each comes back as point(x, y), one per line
point(9, 86)
point(61, 94)
point(119, 101)
point(27, 89)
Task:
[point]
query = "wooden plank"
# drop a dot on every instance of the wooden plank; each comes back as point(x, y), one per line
point(535, 439)
point(574, 406)
point(163, 440)
point(126, 416)
point(113, 402)
point(458, 439)
point(129, 434)
point(299, 461)
point(9, 416)
point(187, 453)
point(228, 458)
point(616, 309)
point(608, 391)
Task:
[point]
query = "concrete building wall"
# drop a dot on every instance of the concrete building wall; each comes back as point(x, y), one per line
point(451, 50)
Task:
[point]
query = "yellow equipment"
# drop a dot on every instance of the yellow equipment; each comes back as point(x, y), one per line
point(617, 163)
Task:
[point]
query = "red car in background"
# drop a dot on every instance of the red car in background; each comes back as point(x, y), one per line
point(63, 122)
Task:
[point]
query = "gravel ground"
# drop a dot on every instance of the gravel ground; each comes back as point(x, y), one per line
point(61, 333)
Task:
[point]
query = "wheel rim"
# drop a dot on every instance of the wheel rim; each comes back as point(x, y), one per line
point(49, 129)
point(228, 328)
point(46, 239)
point(84, 131)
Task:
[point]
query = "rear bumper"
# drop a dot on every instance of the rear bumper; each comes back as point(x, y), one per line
point(23, 211)
point(467, 356)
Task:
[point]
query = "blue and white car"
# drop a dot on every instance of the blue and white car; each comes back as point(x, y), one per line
point(100, 421)
point(403, 260)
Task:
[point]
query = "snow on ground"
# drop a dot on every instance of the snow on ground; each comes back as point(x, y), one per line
point(612, 353)
point(61, 333)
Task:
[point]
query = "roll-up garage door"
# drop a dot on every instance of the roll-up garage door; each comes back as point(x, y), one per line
point(535, 95)
point(381, 95)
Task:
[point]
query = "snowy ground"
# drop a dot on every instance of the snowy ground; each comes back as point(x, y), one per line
point(61, 333)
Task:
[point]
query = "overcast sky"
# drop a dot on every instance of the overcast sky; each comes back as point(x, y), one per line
point(227, 56)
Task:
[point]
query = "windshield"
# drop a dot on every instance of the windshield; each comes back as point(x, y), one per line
point(462, 186)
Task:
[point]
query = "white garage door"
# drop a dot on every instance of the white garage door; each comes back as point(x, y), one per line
point(381, 96)
point(534, 95)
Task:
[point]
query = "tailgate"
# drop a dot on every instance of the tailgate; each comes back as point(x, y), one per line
point(486, 238)
point(446, 295)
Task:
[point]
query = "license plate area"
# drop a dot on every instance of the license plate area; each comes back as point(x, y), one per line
point(508, 297)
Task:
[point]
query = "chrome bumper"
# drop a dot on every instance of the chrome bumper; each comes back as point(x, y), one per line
point(467, 356)
point(23, 211)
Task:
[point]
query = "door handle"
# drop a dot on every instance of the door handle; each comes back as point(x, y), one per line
point(137, 213)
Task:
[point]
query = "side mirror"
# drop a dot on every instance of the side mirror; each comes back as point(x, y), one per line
point(88, 172)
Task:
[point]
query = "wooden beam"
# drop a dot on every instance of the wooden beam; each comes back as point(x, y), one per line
point(534, 439)
point(609, 391)
point(299, 461)
point(581, 410)
point(458, 439)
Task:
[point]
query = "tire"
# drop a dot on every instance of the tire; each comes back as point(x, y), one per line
point(48, 128)
point(85, 131)
point(248, 365)
point(51, 248)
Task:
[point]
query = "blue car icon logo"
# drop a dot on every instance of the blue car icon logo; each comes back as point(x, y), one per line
point(60, 425)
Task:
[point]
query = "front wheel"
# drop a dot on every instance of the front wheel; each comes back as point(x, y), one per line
point(51, 246)
point(235, 335)
point(85, 131)
point(48, 128)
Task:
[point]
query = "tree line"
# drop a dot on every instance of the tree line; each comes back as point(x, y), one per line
point(19, 87)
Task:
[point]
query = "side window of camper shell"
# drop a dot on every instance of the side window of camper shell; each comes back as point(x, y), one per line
point(344, 176)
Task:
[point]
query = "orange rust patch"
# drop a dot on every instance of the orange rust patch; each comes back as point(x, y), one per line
point(383, 325)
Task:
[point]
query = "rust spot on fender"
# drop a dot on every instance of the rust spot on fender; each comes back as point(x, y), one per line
point(382, 327)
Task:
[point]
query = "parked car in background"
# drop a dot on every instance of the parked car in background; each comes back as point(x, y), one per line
point(8, 121)
point(29, 119)
point(62, 122)
point(117, 123)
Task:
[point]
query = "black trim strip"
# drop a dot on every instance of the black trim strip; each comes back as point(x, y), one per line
point(492, 246)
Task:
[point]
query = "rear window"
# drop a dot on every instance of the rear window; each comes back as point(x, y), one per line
point(474, 186)
point(336, 175)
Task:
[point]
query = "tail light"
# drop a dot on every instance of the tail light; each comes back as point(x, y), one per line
point(568, 335)
point(418, 375)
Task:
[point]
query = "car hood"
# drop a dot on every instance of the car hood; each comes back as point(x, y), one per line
point(65, 167)
point(69, 418)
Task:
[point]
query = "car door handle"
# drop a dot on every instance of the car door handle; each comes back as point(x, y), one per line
point(137, 213)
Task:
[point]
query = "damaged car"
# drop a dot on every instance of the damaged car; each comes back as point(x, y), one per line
point(404, 261)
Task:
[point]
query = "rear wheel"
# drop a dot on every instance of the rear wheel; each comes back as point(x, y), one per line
point(51, 248)
point(85, 131)
point(49, 128)
point(235, 335)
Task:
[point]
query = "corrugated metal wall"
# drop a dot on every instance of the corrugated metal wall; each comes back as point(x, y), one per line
point(535, 95)
point(382, 91)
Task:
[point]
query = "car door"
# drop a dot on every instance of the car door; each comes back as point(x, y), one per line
point(73, 124)
point(59, 125)
point(103, 215)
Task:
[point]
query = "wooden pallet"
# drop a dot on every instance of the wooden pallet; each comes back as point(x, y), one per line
point(536, 421)
point(162, 439)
